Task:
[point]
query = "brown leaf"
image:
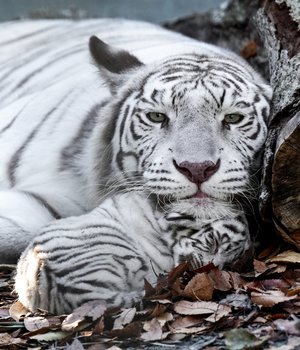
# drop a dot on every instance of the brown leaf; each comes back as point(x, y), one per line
point(200, 287)
point(153, 330)
point(99, 327)
point(17, 311)
point(92, 310)
point(260, 266)
point(164, 318)
point(185, 307)
point(221, 279)
point(6, 340)
point(249, 49)
point(177, 272)
point(236, 280)
point(158, 310)
point(190, 330)
point(125, 317)
point(287, 257)
point(132, 330)
point(223, 310)
point(270, 298)
point(187, 321)
point(149, 290)
point(205, 268)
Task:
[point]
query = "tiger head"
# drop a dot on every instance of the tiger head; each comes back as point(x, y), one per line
point(188, 129)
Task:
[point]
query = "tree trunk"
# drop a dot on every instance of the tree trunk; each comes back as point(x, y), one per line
point(267, 34)
point(279, 24)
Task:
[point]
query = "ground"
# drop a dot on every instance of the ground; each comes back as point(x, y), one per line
point(204, 309)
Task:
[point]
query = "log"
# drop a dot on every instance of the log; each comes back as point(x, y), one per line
point(286, 182)
point(279, 25)
point(267, 34)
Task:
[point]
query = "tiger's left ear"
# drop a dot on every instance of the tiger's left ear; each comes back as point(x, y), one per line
point(114, 64)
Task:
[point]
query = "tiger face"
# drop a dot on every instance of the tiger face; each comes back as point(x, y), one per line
point(188, 129)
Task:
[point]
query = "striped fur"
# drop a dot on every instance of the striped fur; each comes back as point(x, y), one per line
point(76, 134)
point(107, 253)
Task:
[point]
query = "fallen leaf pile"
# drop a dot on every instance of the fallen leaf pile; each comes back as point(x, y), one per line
point(211, 308)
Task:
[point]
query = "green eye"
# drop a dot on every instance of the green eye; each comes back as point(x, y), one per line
point(156, 117)
point(233, 118)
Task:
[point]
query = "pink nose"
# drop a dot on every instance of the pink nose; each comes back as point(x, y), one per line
point(197, 172)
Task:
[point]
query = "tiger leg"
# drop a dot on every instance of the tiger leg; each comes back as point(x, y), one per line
point(21, 217)
point(40, 285)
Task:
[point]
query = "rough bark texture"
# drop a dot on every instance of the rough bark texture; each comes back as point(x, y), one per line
point(279, 24)
point(267, 34)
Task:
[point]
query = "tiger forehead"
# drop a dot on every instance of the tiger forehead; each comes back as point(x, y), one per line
point(202, 66)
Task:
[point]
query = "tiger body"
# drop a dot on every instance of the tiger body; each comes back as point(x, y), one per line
point(48, 157)
point(150, 127)
point(109, 252)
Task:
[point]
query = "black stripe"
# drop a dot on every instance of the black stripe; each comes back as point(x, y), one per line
point(75, 147)
point(44, 203)
point(15, 159)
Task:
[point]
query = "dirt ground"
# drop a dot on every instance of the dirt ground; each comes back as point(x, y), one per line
point(204, 309)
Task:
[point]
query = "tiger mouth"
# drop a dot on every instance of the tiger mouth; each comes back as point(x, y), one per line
point(201, 195)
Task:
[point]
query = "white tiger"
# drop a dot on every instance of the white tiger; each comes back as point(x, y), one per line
point(109, 252)
point(177, 121)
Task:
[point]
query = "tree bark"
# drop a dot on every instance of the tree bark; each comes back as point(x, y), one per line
point(267, 34)
point(279, 24)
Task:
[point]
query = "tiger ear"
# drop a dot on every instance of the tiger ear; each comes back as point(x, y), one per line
point(113, 63)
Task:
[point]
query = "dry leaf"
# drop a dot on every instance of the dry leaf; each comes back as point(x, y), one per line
point(270, 298)
point(221, 279)
point(177, 272)
point(164, 318)
point(92, 310)
point(249, 49)
point(187, 321)
point(7, 340)
point(125, 317)
point(162, 301)
point(153, 330)
point(185, 307)
point(223, 310)
point(76, 345)
point(288, 326)
point(35, 323)
point(190, 330)
point(238, 301)
point(260, 267)
point(17, 311)
point(51, 336)
point(132, 330)
point(287, 257)
point(200, 287)
point(149, 290)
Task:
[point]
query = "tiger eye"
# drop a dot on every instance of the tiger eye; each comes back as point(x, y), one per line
point(157, 117)
point(233, 118)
